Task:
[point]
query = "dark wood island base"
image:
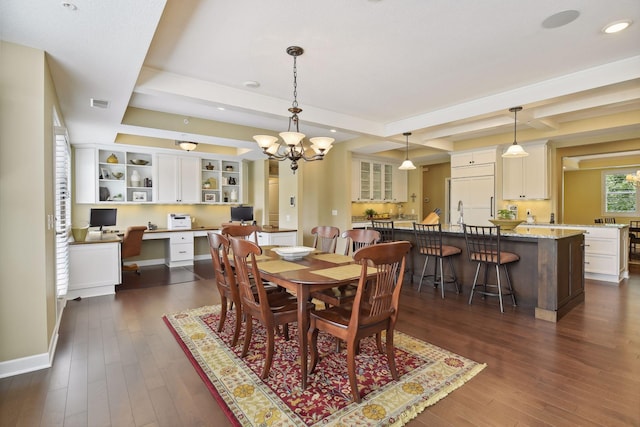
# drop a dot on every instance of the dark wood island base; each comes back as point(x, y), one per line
point(549, 276)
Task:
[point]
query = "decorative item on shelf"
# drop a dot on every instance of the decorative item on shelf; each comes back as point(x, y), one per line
point(515, 150)
point(139, 162)
point(225, 180)
point(232, 181)
point(407, 165)
point(234, 195)
point(117, 198)
point(117, 175)
point(209, 167)
point(213, 182)
point(634, 179)
point(135, 179)
point(80, 232)
point(104, 194)
point(370, 213)
point(226, 197)
point(229, 168)
point(112, 158)
point(293, 147)
point(206, 185)
point(210, 197)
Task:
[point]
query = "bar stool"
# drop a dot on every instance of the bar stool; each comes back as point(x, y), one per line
point(483, 247)
point(386, 230)
point(429, 243)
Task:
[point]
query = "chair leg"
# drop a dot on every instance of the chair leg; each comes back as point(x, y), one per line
point(223, 312)
point(271, 336)
point(441, 277)
point(378, 343)
point(236, 332)
point(424, 269)
point(453, 275)
point(475, 281)
point(513, 294)
point(312, 337)
point(351, 368)
point(499, 288)
point(391, 357)
point(247, 335)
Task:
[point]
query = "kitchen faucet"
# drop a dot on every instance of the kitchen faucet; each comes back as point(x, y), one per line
point(461, 210)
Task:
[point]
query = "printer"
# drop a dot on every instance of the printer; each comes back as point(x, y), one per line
point(178, 222)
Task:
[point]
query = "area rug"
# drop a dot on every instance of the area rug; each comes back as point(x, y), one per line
point(427, 374)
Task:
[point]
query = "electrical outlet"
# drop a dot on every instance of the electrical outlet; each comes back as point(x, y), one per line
point(287, 218)
point(528, 212)
point(334, 212)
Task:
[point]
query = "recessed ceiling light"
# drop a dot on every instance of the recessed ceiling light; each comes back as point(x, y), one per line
point(221, 108)
point(616, 27)
point(333, 130)
point(251, 84)
point(560, 19)
point(69, 6)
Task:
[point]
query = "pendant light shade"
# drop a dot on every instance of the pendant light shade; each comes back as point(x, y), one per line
point(407, 165)
point(515, 150)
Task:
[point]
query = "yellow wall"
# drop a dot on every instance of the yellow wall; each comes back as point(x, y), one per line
point(27, 285)
point(582, 196)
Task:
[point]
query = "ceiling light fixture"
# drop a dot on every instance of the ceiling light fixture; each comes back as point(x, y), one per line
point(293, 147)
point(616, 27)
point(187, 145)
point(515, 150)
point(407, 165)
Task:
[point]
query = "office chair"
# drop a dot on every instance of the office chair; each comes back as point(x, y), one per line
point(131, 246)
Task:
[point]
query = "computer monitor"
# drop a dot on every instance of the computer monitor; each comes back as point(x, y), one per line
point(102, 217)
point(242, 213)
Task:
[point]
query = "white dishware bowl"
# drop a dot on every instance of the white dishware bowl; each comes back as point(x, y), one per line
point(292, 253)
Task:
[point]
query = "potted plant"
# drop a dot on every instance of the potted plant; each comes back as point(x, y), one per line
point(369, 213)
point(505, 214)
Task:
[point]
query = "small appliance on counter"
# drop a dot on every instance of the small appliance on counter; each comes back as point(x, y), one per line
point(178, 221)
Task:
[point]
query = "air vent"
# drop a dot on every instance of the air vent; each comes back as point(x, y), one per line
point(99, 103)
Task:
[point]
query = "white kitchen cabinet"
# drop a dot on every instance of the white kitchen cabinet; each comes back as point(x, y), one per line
point(374, 181)
point(94, 268)
point(180, 251)
point(525, 178)
point(470, 158)
point(283, 238)
point(178, 179)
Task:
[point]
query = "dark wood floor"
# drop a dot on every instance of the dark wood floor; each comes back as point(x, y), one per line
point(118, 365)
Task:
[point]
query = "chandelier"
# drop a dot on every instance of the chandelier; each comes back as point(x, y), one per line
point(634, 179)
point(515, 150)
point(293, 148)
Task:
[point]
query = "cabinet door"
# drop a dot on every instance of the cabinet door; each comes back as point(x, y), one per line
point(535, 181)
point(365, 181)
point(178, 179)
point(512, 179)
point(376, 181)
point(86, 175)
point(461, 159)
point(400, 185)
point(355, 180)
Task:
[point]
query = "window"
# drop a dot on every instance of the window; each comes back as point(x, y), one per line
point(62, 210)
point(620, 196)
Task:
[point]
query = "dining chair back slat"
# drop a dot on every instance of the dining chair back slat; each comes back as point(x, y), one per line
point(247, 232)
point(325, 238)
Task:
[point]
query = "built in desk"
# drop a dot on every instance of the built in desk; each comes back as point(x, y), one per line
point(549, 277)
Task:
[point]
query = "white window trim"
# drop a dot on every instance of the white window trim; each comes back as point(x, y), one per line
point(603, 183)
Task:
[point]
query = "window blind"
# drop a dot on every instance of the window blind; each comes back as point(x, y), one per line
point(62, 211)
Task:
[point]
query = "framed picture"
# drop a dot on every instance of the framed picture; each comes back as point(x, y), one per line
point(139, 196)
point(210, 197)
point(104, 173)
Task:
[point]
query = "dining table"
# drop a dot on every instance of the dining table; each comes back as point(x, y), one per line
point(314, 272)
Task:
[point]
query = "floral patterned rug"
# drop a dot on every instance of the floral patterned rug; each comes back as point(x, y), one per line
point(427, 374)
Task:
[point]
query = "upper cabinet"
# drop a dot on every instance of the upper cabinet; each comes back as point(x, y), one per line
point(525, 178)
point(178, 179)
point(472, 158)
point(374, 181)
point(105, 175)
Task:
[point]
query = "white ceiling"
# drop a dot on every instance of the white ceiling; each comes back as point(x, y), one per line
point(445, 70)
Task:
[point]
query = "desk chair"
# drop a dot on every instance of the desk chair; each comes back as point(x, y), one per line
point(131, 246)
point(374, 309)
point(325, 238)
point(483, 247)
point(429, 242)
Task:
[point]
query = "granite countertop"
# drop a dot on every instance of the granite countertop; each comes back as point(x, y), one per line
point(265, 229)
point(522, 231)
point(541, 224)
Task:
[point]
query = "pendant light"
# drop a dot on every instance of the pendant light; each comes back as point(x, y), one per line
point(515, 150)
point(407, 165)
point(293, 148)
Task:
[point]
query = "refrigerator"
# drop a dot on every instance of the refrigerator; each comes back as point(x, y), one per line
point(475, 196)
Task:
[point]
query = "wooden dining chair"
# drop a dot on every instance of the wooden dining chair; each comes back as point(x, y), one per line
point(249, 232)
point(344, 294)
point(270, 309)
point(325, 238)
point(373, 311)
point(634, 238)
point(225, 281)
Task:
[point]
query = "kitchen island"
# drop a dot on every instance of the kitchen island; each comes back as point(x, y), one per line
point(549, 277)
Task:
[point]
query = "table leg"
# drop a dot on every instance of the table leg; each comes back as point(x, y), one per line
point(303, 326)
